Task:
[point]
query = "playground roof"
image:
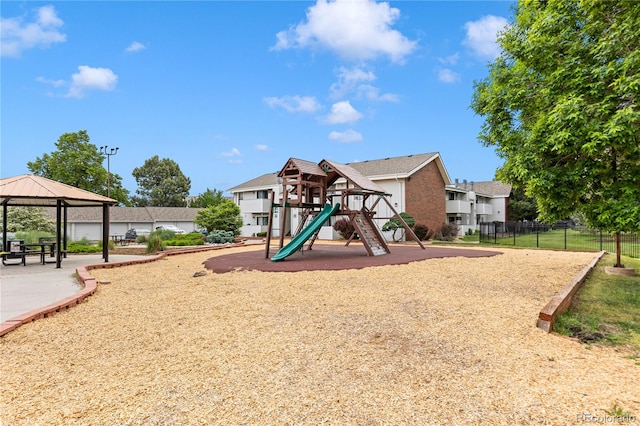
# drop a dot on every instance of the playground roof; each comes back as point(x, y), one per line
point(337, 170)
point(302, 166)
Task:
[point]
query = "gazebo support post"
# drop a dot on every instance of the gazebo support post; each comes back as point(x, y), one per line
point(105, 232)
point(64, 232)
point(4, 226)
point(58, 236)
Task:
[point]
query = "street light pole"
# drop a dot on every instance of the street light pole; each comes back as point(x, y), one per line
point(108, 153)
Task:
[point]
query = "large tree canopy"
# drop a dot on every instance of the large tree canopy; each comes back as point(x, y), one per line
point(161, 183)
point(211, 197)
point(77, 162)
point(561, 107)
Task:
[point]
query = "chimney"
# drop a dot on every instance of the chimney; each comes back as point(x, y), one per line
point(456, 182)
point(471, 185)
point(464, 184)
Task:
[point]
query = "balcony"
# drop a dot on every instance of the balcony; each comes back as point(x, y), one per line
point(458, 206)
point(255, 206)
point(484, 209)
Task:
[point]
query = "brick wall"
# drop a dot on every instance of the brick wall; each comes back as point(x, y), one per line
point(425, 196)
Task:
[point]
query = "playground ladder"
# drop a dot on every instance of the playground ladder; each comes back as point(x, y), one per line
point(369, 234)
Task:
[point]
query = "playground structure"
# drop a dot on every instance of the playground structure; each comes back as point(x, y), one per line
point(312, 189)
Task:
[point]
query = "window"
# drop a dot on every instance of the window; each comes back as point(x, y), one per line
point(262, 195)
point(240, 196)
point(452, 196)
point(262, 220)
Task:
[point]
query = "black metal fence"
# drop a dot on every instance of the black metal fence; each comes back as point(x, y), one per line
point(562, 235)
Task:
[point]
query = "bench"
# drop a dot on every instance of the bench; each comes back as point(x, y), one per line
point(17, 250)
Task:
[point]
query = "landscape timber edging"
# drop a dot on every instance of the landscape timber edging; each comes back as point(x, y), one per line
point(562, 300)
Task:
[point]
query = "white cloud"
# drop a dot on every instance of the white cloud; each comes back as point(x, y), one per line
point(349, 79)
point(347, 136)
point(373, 94)
point(16, 35)
point(135, 47)
point(482, 35)
point(353, 80)
point(262, 147)
point(447, 76)
point(89, 78)
point(54, 83)
point(450, 60)
point(294, 103)
point(233, 153)
point(355, 30)
point(343, 112)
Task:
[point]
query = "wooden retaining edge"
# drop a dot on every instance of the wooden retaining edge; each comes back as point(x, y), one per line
point(89, 286)
point(561, 301)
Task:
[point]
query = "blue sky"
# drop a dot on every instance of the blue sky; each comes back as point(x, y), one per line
point(232, 90)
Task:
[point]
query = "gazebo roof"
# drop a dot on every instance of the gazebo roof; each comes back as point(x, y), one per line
point(31, 190)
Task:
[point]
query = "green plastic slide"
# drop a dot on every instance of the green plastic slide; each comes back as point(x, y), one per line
point(298, 241)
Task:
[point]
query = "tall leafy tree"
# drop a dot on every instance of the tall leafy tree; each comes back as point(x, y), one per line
point(210, 197)
point(27, 218)
point(561, 107)
point(78, 162)
point(161, 183)
point(521, 207)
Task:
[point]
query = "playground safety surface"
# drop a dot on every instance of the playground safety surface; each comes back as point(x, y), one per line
point(332, 257)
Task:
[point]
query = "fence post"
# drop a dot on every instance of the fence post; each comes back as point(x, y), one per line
point(537, 237)
point(601, 240)
point(565, 237)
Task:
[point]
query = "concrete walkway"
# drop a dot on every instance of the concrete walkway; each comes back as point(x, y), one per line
point(25, 288)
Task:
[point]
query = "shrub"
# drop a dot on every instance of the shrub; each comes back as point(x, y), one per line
point(164, 234)
point(344, 227)
point(155, 243)
point(141, 239)
point(220, 236)
point(79, 247)
point(394, 224)
point(421, 231)
point(447, 232)
point(261, 234)
point(191, 239)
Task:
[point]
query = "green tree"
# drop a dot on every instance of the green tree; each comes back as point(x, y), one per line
point(161, 183)
point(210, 197)
point(77, 162)
point(28, 218)
point(224, 216)
point(521, 207)
point(561, 107)
point(394, 224)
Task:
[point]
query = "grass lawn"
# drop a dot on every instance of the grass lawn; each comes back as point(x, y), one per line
point(574, 240)
point(607, 309)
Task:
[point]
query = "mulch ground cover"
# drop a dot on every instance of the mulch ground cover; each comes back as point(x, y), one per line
point(333, 257)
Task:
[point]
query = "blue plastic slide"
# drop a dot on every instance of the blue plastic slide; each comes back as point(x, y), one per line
point(298, 241)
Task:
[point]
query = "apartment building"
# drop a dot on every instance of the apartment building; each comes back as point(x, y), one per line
point(417, 184)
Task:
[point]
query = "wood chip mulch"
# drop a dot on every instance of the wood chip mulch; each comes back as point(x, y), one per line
point(437, 341)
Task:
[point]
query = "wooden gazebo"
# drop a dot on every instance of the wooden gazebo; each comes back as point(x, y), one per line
point(37, 191)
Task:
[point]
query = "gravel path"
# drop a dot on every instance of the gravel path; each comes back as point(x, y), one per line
point(439, 341)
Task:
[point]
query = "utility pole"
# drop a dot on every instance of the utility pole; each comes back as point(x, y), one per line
point(108, 153)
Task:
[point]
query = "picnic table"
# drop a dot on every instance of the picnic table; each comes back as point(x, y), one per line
point(19, 250)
